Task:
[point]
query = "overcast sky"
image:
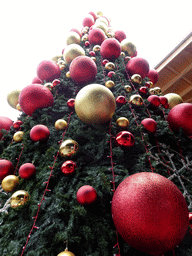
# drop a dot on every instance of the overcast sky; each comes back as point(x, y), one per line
point(32, 31)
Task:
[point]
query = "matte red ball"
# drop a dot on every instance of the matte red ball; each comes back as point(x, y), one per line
point(68, 168)
point(36, 80)
point(124, 139)
point(48, 70)
point(5, 124)
point(86, 195)
point(39, 132)
point(163, 100)
point(150, 125)
point(120, 35)
point(111, 74)
point(27, 170)
point(110, 49)
point(83, 70)
point(88, 21)
point(138, 65)
point(180, 116)
point(154, 100)
point(6, 168)
point(153, 75)
point(33, 97)
point(96, 36)
point(150, 213)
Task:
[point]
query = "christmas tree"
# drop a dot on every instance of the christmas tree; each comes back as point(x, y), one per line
point(97, 163)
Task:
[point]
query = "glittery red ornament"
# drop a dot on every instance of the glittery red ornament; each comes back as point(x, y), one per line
point(121, 100)
point(48, 70)
point(153, 76)
point(110, 49)
point(163, 100)
point(124, 139)
point(36, 80)
point(111, 74)
point(86, 195)
point(39, 132)
point(71, 103)
point(154, 100)
point(5, 123)
point(150, 125)
point(68, 167)
point(33, 97)
point(17, 124)
point(87, 44)
point(83, 70)
point(6, 168)
point(120, 35)
point(96, 36)
point(143, 90)
point(27, 170)
point(138, 65)
point(92, 53)
point(150, 213)
point(88, 21)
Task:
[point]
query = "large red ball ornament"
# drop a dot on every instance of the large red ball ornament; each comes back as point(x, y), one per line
point(48, 70)
point(153, 75)
point(39, 132)
point(96, 36)
point(180, 116)
point(83, 70)
point(34, 97)
point(88, 21)
point(27, 170)
point(150, 213)
point(68, 168)
point(6, 168)
point(150, 125)
point(86, 195)
point(120, 35)
point(110, 49)
point(36, 80)
point(5, 124)
point(124, 139)
point(154, 100)
point(138, 65)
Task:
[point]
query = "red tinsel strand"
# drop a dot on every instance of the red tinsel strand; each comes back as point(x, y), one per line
point(18, 160)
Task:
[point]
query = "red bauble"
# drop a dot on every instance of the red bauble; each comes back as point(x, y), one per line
point(110, 49)
point(71, 103)
point(154, 100)
point(153, 76)
point(5, 123)
point(39, 132)
point(68, 167)
point(124, 139)
point(163, 100)
point(150, 125)
point(6, 168)
point(96, 36)
point(88, 21)
point(120, 35)
point(143, 90)
point(121, 100)
point(17, 124)
point(56, 82)
point(104, 62)
point(33, 97)
point(138, 65)
point(111, 74)
point(36, 80)
point(150, 213)
point(180, 116)
point(83, 70)
point(92, 53)
point(26, 171)
point(86, 195)
point(48, 70)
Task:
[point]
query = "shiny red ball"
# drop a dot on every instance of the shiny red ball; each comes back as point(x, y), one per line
point(27, 170)
point(150, 125)
point(71, 103)
point(150, 213)
point(5, 123)
point(48, 70)
point(96, 36)
point(124, 139)
point(120, 35)
point(86, 195)
point(154, 100)
point(111, 74)
point(56, 82)
point(17, 124)
point(68, 167)
point(110, 49)
point(6, 168)
point(121, 100)
point(138, 65)
point(39, 132)
point(153, 75)
point(143, 90)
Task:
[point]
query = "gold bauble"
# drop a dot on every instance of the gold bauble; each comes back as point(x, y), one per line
point(93, 58)
point(66, 253)
point(13, 98)
point(49, 86)
point(173, 99)
point(73, 38)
point(136, 99)
point(102, 19)
point(102, 26)
point(110, 34)
point(136, 79)
point(85, 38)
point(99, 13)
point(9, 183)
point(128, 47)
point(72, 51)
point(157, 90)
point(68, 148)
point(109, 84)
point(122, 122)
point(19, 199)
point(61, 64)
point(18, 136)
point(122, 54)
point(56, 58)
point(96, 48)
point(95, 104)
point(109, 66)
point(60, 124)
point(68, 75)
point(151, 91)
point(128, 88)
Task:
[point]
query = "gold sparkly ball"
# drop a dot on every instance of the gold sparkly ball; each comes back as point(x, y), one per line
point(173, 99)
point(95, 104)
point(102, 26)
point(122, 122)
point(136, 100)
point(68, 75)
point(72, 51)
point(18, 136)
point(96, 48)
point(109, 84)
point(68, 148)
point(13, 98)
point(66, 253)
point(136, 79)
point(56, 58)
point(128, 88)
point(60, 124)
point(109, 66)
point(9, 183)
point(128, 47)
point(102, 19)
point(73, 38)
point(19, 199)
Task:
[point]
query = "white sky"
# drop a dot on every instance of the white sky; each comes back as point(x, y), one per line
point(36, 30)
